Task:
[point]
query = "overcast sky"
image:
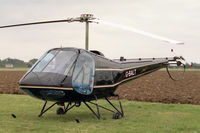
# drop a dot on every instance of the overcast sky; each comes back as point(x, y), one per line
point(175, 19)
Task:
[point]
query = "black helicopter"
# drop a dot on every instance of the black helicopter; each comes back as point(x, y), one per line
point(75, 76)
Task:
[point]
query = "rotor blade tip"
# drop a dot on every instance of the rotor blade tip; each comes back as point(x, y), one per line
point(180, 43)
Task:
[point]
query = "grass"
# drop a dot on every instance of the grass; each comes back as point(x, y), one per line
point(26, 69)
point(14, 69)
point(140, 117)
point(187, 69)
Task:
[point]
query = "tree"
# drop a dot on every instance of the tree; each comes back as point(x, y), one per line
point(31, 62)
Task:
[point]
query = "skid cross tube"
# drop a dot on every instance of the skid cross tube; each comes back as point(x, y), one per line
point(43, 111)
point(97, 114)
point(68, 107)
point(103, 107)
point(121, 112)
point(99, 106)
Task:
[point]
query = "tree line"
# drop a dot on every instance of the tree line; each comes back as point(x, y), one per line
point(9, 62)
point(193, 65)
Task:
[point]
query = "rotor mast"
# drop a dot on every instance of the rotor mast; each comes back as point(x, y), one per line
point(86, 18)
point(86, 35)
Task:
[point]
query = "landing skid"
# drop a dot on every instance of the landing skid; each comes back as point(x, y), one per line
point(69, 106)
point(116, 114)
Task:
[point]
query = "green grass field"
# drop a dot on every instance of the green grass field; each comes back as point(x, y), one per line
point(187, 69)
point(140, 117)
point(14, 69)
point(26, 69)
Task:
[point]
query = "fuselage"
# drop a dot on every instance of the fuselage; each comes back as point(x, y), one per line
point(71, 74)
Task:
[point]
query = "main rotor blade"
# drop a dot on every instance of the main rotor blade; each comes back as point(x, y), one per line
point(139, 32)
point(42, 22)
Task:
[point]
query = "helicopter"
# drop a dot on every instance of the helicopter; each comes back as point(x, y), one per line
point(71, 76)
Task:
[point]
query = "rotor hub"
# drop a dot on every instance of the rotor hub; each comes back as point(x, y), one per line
point(86, 17)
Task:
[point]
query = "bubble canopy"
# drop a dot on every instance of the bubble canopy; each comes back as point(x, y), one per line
point(56, 61)
point(63, 67)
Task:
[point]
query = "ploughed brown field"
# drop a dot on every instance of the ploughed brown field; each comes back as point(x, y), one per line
point(155, 87)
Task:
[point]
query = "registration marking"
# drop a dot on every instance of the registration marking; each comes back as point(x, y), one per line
point(130, 73)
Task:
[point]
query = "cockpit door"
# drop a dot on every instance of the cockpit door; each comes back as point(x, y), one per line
point(83, 75)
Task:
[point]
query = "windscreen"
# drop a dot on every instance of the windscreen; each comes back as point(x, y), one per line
point(56, 61)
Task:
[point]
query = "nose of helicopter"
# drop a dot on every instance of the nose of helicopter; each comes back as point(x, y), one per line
point(54, 69)
point(47, 86)
point(45, 79)
point(58, 69)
